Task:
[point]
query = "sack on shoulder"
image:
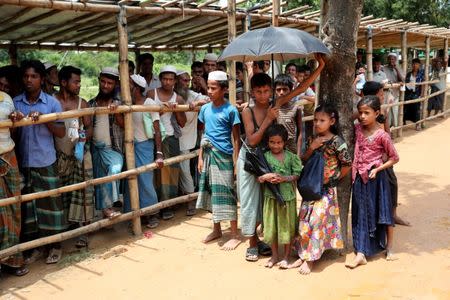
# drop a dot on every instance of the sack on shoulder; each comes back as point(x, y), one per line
point(310, 184)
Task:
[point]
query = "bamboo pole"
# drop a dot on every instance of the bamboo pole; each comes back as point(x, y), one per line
point(96, 181)
point(246, 83)
point(231, 10)
point(128, 117)
point(369, 52)
point(411, 125)
point(401, 109)
point(427, 75)
point(275, 13)
point(12, 52)
point(445, 70)
point(77, 113)
point(136, 214)
point(137, 65)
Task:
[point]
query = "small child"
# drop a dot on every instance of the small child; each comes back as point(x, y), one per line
point(290, 115)
point(372, 214)
point(280, 221)
point(319, 223)
point(216, 159)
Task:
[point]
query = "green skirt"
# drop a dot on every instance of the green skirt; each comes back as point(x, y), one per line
point(280, 223)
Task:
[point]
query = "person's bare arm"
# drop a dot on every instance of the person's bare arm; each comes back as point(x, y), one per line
point(236, 144)
point(57, 129)
point(299, 131)
point(158, 144)
point(255, 137)
point(87, 122)
point(304, 85)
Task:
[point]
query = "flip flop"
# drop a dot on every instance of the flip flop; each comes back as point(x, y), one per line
point(34, 257)
point(54, 256)
point(152, 222)
point(20, 271)
point(167, 215)
point(264, 249)
point(82, 242)
point(191, 212)
point(252, 254)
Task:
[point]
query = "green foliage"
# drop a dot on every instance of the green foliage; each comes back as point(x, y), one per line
point(433, 12)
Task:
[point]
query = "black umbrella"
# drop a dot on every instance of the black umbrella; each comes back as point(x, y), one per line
point(257, 164)
point(276, 43)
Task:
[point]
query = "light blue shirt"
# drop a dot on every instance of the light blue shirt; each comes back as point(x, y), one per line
point(219, 122)
point(36, 146)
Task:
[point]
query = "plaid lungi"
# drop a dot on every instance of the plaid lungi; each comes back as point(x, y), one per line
point(79, 204)
point(44, 216)
point(167, 178)
point(216, 186)
point(10, 214)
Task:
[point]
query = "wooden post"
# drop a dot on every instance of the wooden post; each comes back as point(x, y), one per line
point(137, 53)
point(126, 98)
point(427, 77)
point(369, 52)
point(246, 83)
point(12, 51)
point(231, 8)
point(445, 70)
point(275, 13)
point(401, 108)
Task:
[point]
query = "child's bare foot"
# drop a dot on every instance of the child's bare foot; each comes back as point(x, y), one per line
point(271, 262)
point(359, 259)
point(231, 244)
point(296, 264)
point(306, 268)
point(400, 221)
point(390, 255)
point(284, 264)
point(212, 236)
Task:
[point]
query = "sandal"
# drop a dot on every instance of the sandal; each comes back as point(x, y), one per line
point(34, 257)
point(16, 271)
point(191, 212)
point(152, 222)
point(167, 215)
point(264, 249)
point(252, 254)
point(82, 242)
point(54, 256)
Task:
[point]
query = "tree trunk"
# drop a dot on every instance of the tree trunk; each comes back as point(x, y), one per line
point(338, 30)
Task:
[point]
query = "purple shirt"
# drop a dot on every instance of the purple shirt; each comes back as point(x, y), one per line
point(36, 146)
point(369, 152)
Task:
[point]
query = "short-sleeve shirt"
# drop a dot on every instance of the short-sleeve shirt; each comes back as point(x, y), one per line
point(291, 165)
point(188, 137)
point(6, 108)
point(219, 122)
point(36, 145)
point(138, 121)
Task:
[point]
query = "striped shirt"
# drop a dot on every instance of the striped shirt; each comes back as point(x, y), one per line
point(288, 118)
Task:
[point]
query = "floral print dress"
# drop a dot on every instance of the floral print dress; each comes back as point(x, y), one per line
point(319, 223)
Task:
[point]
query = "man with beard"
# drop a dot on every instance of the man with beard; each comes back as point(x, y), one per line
point(37, 160)
point(167, 178)
point(51, 78)
point(188, 137)
point(107, 141)
point(145, 62)
point(80, 203)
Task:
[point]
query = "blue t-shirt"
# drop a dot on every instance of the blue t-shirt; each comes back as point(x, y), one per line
point(219, 122)
point(36, 146)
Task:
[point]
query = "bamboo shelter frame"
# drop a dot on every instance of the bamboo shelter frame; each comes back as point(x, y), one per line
point(226, 21)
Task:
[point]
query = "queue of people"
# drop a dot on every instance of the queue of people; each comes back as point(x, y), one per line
point(74, 150)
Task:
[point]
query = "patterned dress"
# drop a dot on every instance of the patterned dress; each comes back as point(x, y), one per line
point(319, 225)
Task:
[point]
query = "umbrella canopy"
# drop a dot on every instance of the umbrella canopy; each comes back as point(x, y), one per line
point(273, 43)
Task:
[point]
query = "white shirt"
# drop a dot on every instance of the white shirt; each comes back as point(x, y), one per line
point(165, 117)
point(188, 137)
point(6, 108)
point(138, 122)
point(154, 84)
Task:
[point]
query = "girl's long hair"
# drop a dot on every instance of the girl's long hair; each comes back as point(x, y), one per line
point(332, 112)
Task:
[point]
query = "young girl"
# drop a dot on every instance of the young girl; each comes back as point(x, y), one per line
point(319, 223)
point(371, 200)
point(280, 221)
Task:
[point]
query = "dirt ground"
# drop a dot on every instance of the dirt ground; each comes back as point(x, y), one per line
point(172, 263)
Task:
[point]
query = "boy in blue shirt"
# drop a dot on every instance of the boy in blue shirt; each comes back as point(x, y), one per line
point(217, 157)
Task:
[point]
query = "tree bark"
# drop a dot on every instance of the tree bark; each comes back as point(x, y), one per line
point(338, 30)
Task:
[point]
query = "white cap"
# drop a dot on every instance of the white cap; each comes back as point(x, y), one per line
point(49, 65)
point(217, 76)
point(110, 71)
point(211, 56)
point(139, 80)
point(181, 72)
point(168, 69)
point(393, 54)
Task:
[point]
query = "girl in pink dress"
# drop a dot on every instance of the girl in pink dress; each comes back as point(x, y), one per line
point(371, 199)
